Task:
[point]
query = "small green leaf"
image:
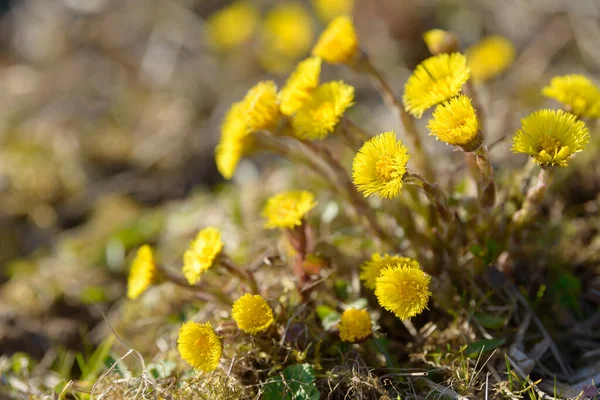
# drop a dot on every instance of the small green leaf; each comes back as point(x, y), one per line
point(341, 289)
point(323, 311)
point(330, 320)
point(476, 250)
point(295, 383)
point(162, 370)
point(490, 321)
point(328, 316)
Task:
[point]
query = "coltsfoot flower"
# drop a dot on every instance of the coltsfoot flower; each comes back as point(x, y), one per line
point(489, 57)
point(288, 209)
point(300, 85)
point(380, 165)
point(551, 137)
point(370, 270)
point(201, 254)
point(322, 112)
point(199, 346)
point(233, 25)
point(338, 44)
point(260, 105)
point(455, 122)
point(355, 325)
point(142, 273)
point(252, 313)
point(329, 9)
point(579, 94)
point(434, 81)
point(234, 136)
point(440, 41)
point(286, 36)
point(403, 289)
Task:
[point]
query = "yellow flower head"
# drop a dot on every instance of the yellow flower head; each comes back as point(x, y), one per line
point(201, 254)
point(322, 112)
point(288, 30)
point(490, 57)
point(234, 135)
point(288, 209)
point(435, 80)
point(455, 122)
point(300, 85)
point(380, 165)
point(550, 137)
point(440, 41)
point(329, 9)
point(338, 44)
point(252, 313)
point(260, 105)
point(142, 273)
point(232, 25)
point(199, 346)
point(355, 325)
point(403, 289)
point(370, 270)
point(580, 95)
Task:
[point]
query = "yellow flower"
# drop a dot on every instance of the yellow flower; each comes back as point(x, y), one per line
point(199, 346)
point(142, 273)
point(260, 105)
point(201, 254)
point(234, 135)
point(232, 25)
point(322, 112)
point(370, 270)
point(440, 41)
point(252, 313)
point(288, 209)
point(300, 85)
point(580, 95)
point(435, 80)
point(403, 289)
point(380, 165)
point(288, 30)
point(338, 44)
point(329, 9)
point(550, 137)
point(490, 57)
point(455, 122)
point(355, 325)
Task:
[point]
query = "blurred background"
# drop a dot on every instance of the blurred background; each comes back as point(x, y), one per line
point(110, 110)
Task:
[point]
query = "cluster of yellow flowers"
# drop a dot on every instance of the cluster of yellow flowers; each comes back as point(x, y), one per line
point(201, 347)
point(198, 344)
point(283, 36)
point(313, 110)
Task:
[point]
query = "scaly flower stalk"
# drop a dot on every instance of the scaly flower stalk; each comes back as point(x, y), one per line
point(435, 195)
point(533, 198)
point(486, 186)
point(301, 239)
point(361, 207)
point(201, 290)
point(353, 134)
point(244, 274)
